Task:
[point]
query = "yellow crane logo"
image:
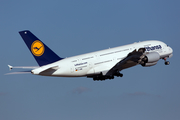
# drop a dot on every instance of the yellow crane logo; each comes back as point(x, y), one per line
point(37, 48)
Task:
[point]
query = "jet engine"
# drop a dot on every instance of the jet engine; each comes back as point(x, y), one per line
point(150, 59)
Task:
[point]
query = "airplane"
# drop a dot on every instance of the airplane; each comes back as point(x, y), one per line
point(99, 65)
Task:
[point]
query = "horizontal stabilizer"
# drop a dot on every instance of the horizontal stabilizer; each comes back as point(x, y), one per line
point(45, 70)
point(22, 67)
point(23, 72)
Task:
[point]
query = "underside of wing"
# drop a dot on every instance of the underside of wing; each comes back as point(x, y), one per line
point(132, 59)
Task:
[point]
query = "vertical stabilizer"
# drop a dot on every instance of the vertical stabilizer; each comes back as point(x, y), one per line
point(43, 54)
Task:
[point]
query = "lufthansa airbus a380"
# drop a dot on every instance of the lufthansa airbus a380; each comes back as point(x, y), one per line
point(99, 65)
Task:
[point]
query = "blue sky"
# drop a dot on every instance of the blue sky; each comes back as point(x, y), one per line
point(71, 28)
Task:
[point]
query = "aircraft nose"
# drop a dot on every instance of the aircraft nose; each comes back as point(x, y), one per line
point(171, 50)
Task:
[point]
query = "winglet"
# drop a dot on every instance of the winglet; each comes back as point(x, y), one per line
point(10, 67)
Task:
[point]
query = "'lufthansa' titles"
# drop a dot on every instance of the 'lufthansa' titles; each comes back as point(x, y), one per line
point(80, 64)
point(153, 48)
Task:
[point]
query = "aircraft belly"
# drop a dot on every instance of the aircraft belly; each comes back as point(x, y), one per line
point(69, 73)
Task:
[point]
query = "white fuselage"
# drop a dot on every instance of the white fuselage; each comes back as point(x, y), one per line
point(97, 62)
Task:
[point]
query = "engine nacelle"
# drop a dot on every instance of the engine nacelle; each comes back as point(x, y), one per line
point(149, 64)
point(150, 59)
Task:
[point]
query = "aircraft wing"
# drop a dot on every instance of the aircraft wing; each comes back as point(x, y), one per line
point(130, 60)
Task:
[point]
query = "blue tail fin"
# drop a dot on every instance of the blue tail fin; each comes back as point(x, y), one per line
point(39, 50)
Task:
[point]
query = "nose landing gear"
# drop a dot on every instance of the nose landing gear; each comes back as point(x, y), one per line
point(166, 62)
